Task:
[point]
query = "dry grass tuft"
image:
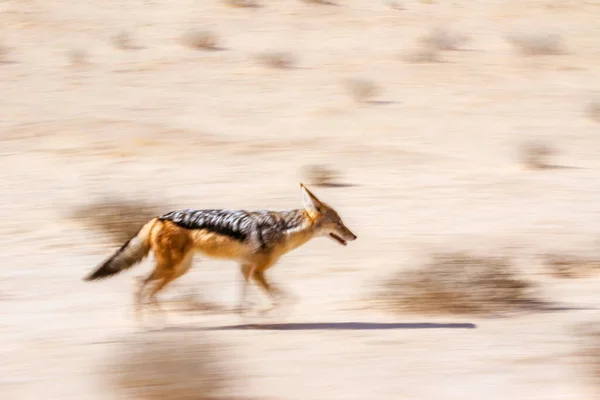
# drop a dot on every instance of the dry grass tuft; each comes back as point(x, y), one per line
point(320, 2)
point(458, 283)
point(588, 335)
point(361, 90)
point(241, 3)
point(277, 60)
point(4, 53)
point(77, 57)
point(120, 219)
point(443, 39)
point(396, 5)
point(423, 55)
point(593, 110)
point(124, 40)
point(168, 365)
point(537, 44)
point(200, 40)
point(570, 266)
point(536, 155)
point(319, 175)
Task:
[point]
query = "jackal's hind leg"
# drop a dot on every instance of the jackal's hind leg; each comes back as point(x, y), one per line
point(169, 275)
point(141, 285)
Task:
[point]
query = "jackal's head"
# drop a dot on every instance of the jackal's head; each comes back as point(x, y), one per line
point(326, 220)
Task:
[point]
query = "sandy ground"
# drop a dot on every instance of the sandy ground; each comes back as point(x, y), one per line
point(430, 166)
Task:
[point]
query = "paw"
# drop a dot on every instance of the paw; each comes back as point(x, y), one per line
point(287, 299)
point(268, 309)
point(244, 308)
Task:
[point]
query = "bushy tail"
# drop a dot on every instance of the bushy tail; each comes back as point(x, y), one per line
point(131, 253)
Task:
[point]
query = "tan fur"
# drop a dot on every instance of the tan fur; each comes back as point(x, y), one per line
point(174, 248)
point(218, 246)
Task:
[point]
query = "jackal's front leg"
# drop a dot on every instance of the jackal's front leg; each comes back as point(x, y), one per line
point(254, 272)
point(276, 295)
point(247, 271)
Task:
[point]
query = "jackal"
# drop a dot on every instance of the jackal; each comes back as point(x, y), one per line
point(254, 239)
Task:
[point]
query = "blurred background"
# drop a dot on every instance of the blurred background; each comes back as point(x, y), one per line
point(458, 139)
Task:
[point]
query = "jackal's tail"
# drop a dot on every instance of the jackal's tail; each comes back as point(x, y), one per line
point(131, 253)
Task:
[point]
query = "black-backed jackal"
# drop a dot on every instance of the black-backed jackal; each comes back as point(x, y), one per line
point(255, 239)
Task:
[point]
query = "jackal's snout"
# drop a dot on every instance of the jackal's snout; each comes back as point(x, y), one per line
point(342, 234)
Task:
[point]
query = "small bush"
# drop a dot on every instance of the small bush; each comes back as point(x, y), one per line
point(423, 55)
point(457, 283)
point(277, 60)
point(537, 44)
point(320, 2)
point(569, 266)
point(319, 175)
point(443, 39)
point(124, 41)
point(120, 219)
point(4, 52)
point(201, 40)
point(593, 110)
point(395, 5)
point(241, 3)
point(77, 57)
point(164, 365)
point(535, 155)
point(361, 90)
point(588, 336)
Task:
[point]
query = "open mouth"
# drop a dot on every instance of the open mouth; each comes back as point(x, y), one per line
point(339, 239)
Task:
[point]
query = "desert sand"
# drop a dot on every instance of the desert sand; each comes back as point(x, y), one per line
point(106, 98)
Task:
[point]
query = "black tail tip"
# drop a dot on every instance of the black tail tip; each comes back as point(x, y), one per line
point(97, 275)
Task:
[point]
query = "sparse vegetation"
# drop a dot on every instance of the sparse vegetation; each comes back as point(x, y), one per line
point(537, 44)
point(423, 55)
point(124, 41)
point(278, 60)
point(321, 2)
point(536, 155)
point(441, 39)
point(3, 53)
point(241, 3)
point(395, 5)
point(77, 57)
point(588, 336)
point(120, 219)
point(593, 110)
point(361, 90)
point(570, 266)
point(201, 40)
point(319, 175)
point(164, 365)
point(433, 43)
point(458, 283)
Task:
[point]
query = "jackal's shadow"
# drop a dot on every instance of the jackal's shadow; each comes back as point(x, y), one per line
point(353, 326)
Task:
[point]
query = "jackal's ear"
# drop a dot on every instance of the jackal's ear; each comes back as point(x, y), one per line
point(311, 202)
